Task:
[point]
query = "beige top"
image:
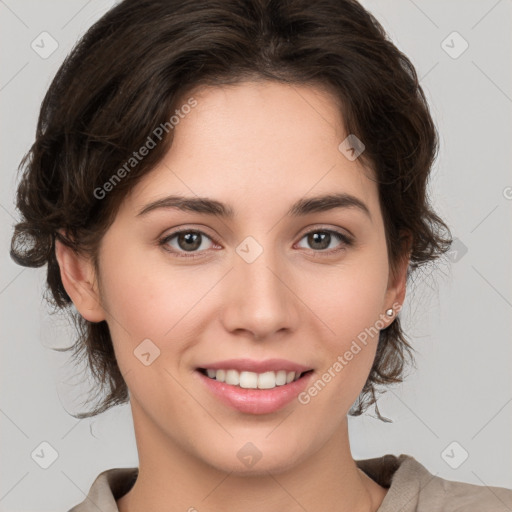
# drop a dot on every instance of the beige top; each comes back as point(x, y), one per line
point(411, 488)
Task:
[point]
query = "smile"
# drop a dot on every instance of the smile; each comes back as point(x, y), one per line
point(253, 380)
point(254, 393)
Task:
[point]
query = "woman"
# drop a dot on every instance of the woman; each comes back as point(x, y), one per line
point(233, 196)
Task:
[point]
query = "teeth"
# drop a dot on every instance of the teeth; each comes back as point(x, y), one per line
point(232, 377)
point(252, 380)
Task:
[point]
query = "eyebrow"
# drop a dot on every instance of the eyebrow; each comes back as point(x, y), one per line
point(302, 207)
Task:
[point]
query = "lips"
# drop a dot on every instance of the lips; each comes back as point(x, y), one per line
point(255, 401)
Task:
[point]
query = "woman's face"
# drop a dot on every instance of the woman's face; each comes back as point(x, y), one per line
point(253, 286)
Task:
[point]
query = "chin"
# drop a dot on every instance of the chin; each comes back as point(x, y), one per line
point(256, 458)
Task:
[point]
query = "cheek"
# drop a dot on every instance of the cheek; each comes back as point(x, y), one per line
point(349, 306)
point(146, 300)
point(138, 285)
point(350, 299)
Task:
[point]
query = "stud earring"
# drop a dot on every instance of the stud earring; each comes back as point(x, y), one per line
point(390, 312)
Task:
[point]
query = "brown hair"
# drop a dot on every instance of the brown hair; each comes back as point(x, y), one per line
point(129, 73)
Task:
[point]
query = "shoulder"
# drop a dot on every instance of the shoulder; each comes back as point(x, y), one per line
point(107, 487)
point(413, 488)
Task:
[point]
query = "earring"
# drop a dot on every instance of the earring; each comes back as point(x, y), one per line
point(390, 312)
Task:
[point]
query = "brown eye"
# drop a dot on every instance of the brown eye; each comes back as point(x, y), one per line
point(321, 240)
point(187, 241)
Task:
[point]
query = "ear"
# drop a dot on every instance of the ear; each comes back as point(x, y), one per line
point(395, 294)
point(79, 280)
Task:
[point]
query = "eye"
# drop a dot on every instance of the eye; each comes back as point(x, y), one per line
point(320, 240)
point(192, 241)
point(187, 241)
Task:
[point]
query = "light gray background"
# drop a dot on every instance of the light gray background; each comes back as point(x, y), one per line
point(459, 318)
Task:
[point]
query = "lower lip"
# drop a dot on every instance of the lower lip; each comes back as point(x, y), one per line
point(256, 401)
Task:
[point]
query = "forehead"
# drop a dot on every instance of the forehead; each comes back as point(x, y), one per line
point(257, 144)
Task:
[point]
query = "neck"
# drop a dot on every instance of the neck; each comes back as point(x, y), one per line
point(172, 479)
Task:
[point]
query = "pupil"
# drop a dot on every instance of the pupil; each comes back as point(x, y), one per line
point(189, 237)
point(319, 238)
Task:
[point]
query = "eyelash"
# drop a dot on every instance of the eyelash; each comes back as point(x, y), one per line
point(346, 242)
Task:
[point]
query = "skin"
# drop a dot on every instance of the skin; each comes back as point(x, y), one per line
point(259, 147)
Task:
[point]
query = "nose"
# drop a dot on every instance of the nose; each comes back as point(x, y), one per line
point(259, 297)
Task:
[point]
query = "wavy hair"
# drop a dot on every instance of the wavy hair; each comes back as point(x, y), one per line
point(131, 71)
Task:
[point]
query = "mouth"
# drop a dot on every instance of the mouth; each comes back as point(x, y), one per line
point(254, 393)
point(253, 380)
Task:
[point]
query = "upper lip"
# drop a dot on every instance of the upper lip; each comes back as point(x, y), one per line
point(251, 365)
